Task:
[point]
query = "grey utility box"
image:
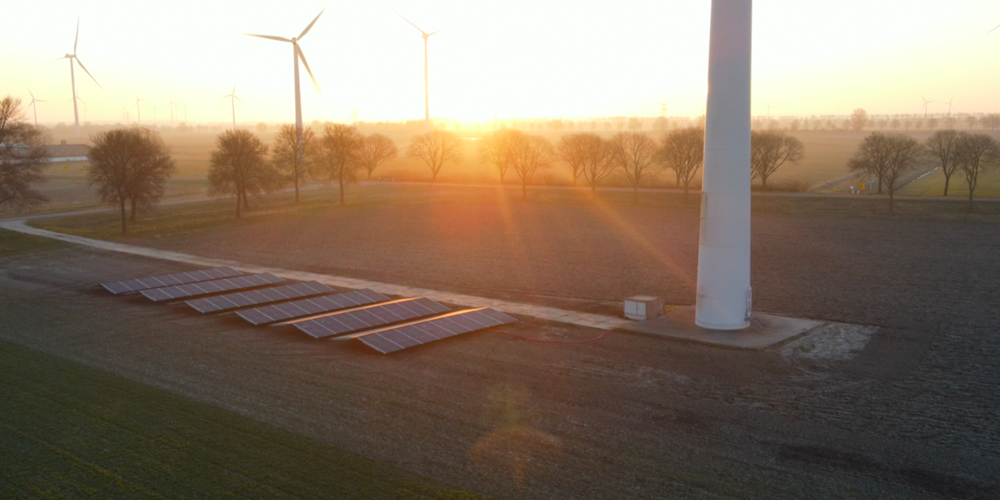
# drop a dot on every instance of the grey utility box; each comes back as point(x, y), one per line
point(642, 307)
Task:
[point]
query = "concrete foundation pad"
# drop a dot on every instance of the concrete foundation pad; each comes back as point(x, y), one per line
point(765, 331)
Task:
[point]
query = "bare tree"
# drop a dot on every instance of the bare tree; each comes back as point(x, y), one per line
point(888, 156)
point(769, 151)
point(374, 150)
point(971, 120)
point(294, 156)
point(976, 153)
point(129, 165)
point(435, 148)
point(598, 160)
point(573, 149)
point(338, 156)
point(683, 151)
point(859, 119)
point(942, 147)
point(498, 149)
point(634, 153)
point(531, 152)
point(22, 157)
point(238, 166)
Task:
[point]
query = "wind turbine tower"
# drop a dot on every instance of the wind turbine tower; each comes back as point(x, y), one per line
point(949, 106)
point(233, 98)
point(72, 76)
point(33, 107)
point(926, 102)
point(138, 112)
point(297, 56)
point(427, 101)
point(724, 295)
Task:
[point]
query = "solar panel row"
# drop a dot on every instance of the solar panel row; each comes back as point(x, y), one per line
point(139, 284)
point(370, 317)
point(306, 307)
point(257, 297)
point(207, 287)
point(392, 339)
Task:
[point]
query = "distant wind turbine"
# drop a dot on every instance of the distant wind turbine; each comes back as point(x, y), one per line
point(297, 56)
point(768, 110)
point(926, 102)
point(72, 76)
point(84, 107)
point(172, 103)
point(185, 112)
point(233, 98)
point(427, 104)
point(33, 107)
point(138, 112)
point(949, 106)
point(992, 30)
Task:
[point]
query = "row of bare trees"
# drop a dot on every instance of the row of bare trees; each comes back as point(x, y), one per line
point(889, 157)
point(633, 154)
point(970, 154)
point(239, 165)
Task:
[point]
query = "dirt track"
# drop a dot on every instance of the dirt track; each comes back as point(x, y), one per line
point(913, 415)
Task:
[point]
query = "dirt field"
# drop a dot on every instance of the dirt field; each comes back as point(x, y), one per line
point(912, 415)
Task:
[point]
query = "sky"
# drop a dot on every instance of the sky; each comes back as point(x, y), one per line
point(511, 59)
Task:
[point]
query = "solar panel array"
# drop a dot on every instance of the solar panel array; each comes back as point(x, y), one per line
point(392, 339)
point(207, 287)
point(139, 284)
point(307, 307)
point(386, 327)
point(370, 317)
point(257, 297)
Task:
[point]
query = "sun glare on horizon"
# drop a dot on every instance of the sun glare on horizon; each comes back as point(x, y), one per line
point(516, 60)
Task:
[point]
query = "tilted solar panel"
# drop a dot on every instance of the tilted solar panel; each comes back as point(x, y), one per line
point(307, 307)
point(258, 296)
point(207, 287)
point(392, 339)
point(369, 317)
point(140, 284)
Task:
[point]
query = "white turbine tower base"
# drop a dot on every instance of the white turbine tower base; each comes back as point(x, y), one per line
point(724, 295)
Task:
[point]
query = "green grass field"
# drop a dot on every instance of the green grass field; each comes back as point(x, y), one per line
point(69, 431)
point(933, 185)
point(13, 243)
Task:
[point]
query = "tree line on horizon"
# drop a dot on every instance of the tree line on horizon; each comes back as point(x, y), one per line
point(130, 166)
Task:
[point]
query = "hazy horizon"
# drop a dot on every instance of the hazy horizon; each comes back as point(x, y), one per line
point(518, 61)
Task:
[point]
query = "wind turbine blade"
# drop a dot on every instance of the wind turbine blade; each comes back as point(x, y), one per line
point(32, 94)
point(237, 98)
point(84, 68)
point(411, 23)
point(225, 96)
point(992, 30)
point(304, 63)
point(269, 37)
point(39, 100)
point(77, 37)
point(436, 32)
point(311, 24)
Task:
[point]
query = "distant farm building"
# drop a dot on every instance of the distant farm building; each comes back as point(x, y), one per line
point(67, 152)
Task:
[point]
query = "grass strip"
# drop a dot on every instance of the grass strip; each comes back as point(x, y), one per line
point(71, 431)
